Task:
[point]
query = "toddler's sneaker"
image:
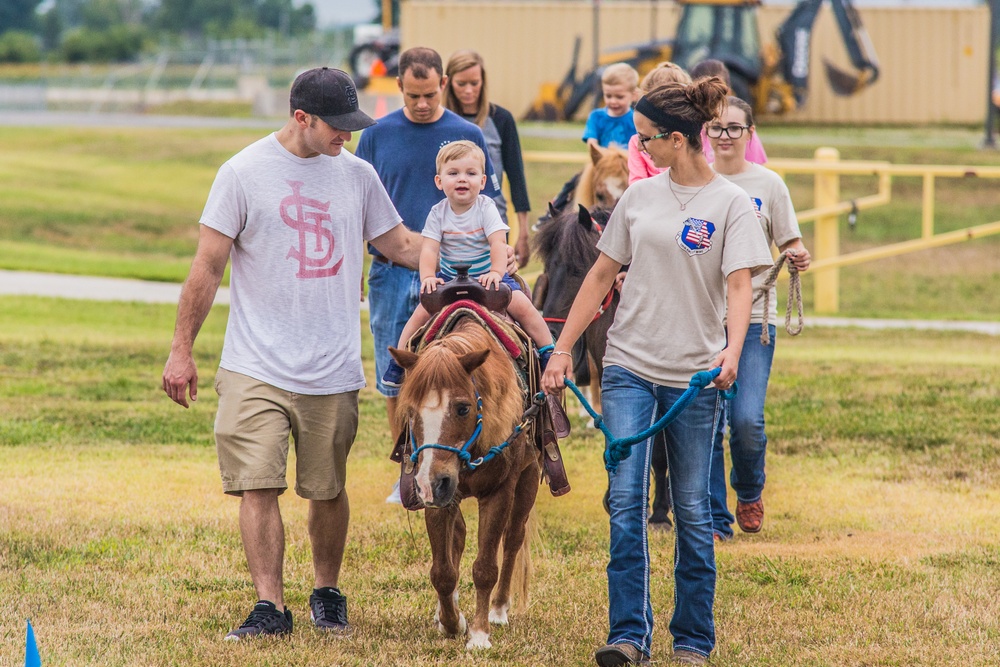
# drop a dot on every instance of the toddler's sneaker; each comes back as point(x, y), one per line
point(544, 354)
point(393, 376)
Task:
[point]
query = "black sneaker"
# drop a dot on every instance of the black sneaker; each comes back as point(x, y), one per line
point(265, 619)
point(329, 610)
point(393, 376)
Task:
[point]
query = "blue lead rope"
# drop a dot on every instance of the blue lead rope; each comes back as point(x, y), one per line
point(619, 449)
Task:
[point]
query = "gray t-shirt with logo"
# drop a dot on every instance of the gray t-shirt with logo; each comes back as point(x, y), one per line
point(670, 322)
point(776, 214)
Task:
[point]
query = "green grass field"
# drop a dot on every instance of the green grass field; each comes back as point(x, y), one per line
point(880, 545)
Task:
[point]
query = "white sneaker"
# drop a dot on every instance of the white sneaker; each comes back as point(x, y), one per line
point(394, 496)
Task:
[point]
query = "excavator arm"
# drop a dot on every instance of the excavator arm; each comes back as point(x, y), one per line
point(794, 37)
point(859, 47)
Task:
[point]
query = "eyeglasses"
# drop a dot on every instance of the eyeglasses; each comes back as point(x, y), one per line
point(732, 131)
point(643, 140)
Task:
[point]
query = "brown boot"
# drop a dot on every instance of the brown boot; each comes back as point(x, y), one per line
point(750, 516)
point(618, 655)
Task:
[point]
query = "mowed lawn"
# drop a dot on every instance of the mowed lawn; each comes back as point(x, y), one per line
point(880, 544)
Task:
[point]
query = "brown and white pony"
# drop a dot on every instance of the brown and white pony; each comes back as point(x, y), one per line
point(439, 404)
point(603, 180)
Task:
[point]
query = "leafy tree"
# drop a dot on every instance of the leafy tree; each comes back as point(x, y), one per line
point(281, 15)
point(17, 14)
point(102, 14)
point(70, 12)
point(192, 16)
point(230, 18)
point(18, 46)
point(119, 43)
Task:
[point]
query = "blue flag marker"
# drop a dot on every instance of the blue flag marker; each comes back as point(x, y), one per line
point(31, 657)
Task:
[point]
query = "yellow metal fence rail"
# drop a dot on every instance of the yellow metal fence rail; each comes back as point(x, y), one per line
point(827, 169)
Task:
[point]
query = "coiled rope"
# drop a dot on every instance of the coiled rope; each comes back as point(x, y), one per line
point(794, 298)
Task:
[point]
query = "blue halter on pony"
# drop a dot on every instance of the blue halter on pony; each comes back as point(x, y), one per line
point(461, 452)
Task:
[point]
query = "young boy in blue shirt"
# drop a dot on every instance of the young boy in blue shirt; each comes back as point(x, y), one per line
point(612, 124)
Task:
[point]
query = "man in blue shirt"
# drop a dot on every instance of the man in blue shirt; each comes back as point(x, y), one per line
point(403, 147)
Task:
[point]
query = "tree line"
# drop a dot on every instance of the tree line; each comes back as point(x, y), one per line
point(120, 30)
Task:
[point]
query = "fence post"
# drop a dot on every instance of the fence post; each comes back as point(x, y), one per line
point(826, 192)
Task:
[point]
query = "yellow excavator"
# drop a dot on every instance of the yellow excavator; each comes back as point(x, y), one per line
point(773, 78)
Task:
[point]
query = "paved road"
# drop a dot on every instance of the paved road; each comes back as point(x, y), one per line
point(94, 288)
point(119, 289)
point(84, 119)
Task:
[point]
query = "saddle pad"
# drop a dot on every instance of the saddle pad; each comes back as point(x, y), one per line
point(444, 321)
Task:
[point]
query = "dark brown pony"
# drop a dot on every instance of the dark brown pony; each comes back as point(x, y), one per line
point(438, 404)
point(567, 246)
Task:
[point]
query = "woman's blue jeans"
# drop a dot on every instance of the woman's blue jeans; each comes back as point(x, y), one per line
point(747, 440)
point(630, 406)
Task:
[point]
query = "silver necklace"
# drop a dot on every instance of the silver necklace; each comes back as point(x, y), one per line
point(683, 204)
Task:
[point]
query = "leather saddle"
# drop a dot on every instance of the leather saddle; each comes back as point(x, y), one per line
point(463, 287)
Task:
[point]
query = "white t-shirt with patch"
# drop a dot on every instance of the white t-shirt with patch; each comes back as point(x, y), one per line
point(670, 321)
point(299, 227)
point(776, 214)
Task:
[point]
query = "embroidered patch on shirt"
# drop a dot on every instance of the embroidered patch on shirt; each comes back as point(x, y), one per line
point(696, 236)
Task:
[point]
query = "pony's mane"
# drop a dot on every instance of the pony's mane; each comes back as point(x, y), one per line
point(438, 367)
point(613, 162)
point(566, 239)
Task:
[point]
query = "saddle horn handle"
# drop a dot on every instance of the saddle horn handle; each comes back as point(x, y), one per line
point(462, 286)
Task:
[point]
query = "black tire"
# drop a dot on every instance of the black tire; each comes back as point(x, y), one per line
point(361, 59)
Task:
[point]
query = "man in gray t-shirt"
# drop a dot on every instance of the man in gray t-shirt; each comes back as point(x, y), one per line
point(293, 211)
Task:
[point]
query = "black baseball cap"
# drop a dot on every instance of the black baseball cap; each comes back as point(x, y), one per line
point(330, 95)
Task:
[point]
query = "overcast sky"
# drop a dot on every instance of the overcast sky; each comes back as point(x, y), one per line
point(339, 12)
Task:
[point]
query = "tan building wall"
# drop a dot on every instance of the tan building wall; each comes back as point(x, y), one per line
point(933, 61)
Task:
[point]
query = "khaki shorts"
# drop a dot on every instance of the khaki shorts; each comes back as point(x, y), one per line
point(251, 436)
